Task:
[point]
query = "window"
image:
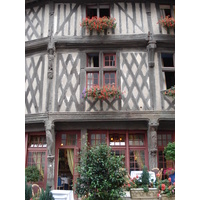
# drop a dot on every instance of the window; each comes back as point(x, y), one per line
point(117, 139)
point(162, 140)
point(168, 68)
point(37, 155)
point(97, 63)
point(132, 145)
point(97, 138)
point(37, 141)
point(98, 10)
point(166, 10)
point(68, 139)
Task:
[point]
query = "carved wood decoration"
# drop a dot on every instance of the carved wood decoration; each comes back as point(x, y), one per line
point(35, 83)
point(36, 22)
point(67, 19)
point(67, 87)
point(135, 81)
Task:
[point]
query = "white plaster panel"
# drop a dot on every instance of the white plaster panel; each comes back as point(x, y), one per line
point(144, 14)
point(154, 19)
point(116, 16)
point(130, 13)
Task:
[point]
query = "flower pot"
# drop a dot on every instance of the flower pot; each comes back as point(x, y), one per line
point(139, 194)
point(165, 197)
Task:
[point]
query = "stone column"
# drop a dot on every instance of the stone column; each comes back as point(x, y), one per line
point(152, 143)
point(50, 138)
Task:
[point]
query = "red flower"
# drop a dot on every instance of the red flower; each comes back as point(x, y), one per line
point(137, 176)
point(162, 186)
point(169, 179)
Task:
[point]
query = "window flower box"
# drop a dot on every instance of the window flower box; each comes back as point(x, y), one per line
point(102, 93)
point(168, 22)
point(98, 24)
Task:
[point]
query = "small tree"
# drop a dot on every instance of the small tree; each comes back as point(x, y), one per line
point(145, 179)
point(101, 174)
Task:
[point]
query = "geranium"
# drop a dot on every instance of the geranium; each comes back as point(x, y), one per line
point(165, 187)
point(168, 22)
point(169, 171)
point(170, 92)
point(98, 23)
point(102, 93)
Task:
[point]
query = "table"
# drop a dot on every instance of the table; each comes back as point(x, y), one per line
point(63, 194)
point(139, 173)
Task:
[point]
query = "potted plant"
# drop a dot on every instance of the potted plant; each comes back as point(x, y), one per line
point(169, 152)
point(166, 189)
point(142, 188)
point(102, 93)
point(167, 22)
point(101, 174)
point(98, 24)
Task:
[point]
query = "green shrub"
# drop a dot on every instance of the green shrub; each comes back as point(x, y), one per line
point(47, 195)
point(32, 173)
point(169, 151)
point(101, 174)
point(28, 190)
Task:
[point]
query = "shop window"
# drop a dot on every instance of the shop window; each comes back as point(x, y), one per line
point(97, 138)
point(37, 141)
point(137, 159)
point(168, 68)
point(68, 139)
point(98, 10)
point(136, 140)
point(37, 159)
point(162, 140)
point(117, 139)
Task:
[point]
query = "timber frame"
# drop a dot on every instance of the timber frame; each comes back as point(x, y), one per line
point(48, 118)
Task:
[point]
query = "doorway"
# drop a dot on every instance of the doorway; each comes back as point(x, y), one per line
point(65, 169)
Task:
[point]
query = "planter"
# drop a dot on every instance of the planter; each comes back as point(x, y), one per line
point(139, 194)
point(165, 197)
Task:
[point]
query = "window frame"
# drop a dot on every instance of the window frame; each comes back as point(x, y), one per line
point(102, 69)
point(36, 150)
point(125, 147)
point(161, 148)
point(97, 6)
point(167, 68)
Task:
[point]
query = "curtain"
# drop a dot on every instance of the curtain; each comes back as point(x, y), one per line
point(70, 159)
point(37, 157)
point(139, 159)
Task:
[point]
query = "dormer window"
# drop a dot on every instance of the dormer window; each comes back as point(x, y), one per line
point(97, 10)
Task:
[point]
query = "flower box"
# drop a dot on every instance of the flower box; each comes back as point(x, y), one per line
point(165, 197)
point(167, 22)
point(102, 93)
point(98, 24)
point(139, 194)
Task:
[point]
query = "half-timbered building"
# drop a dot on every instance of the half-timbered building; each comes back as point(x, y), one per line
point(62, 59)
